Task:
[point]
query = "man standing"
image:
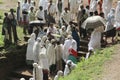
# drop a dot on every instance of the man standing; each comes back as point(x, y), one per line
point(25, 9)
point(44, 4)
point(40, 14)
point(51, 12)
point(13, 24)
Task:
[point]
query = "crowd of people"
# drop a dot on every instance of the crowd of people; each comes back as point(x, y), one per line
point(54, 49)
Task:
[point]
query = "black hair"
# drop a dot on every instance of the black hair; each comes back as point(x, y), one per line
point(96, 12)
point(91, 13)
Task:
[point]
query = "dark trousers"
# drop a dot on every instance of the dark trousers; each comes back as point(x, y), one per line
point(15, 34)
point(45, 74)
point(9, 33)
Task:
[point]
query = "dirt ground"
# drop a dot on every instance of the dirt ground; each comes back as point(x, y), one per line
point(111, 68)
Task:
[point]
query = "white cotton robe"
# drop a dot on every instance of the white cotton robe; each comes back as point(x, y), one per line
point(59, 74)
point(31, 41)
point(36, 51)
point(66, 48)
point(117, 15)
point(37, 73)
point(51, 54)
point(110, 20)
point(106, 6)
point(43, 60)
point(66, 17)
point(95, 40)
point(68, 69)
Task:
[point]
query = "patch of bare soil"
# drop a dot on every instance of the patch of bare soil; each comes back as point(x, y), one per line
point(7, 4)
point(112, 68)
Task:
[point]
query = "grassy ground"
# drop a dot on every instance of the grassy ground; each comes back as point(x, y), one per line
point(91, 68)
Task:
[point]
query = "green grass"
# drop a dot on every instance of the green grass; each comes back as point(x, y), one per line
point(1, 36)
point(91, 68)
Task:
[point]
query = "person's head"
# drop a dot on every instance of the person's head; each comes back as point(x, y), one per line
point(70, 23)
point(35, 65)
point(25, 1)
point(66, 9)
point(22, 78)
point(41, 8)
point(102, 14)
point(81, 7)
point(39, 39)
point(112, 10)
point(69, 63)
point(60, 73)
point(69, 37)
point(91, 13)
point(50, 1)
point(58, 42)
point(33, 36)
point(59, 0)
point(73, 28)
point(32, 8)
point(83, 11)
point(29, 1)
point(6, 14)
point(63, 27)
point(44, 38)
point(18, 3)
point(96, 12)
point(88, 7)
point(12, 10)
point(53, 41)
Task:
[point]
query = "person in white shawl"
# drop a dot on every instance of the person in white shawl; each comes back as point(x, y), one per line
point(51, 56)
point(29, 54)
point(106, 6)
point(69, 67)
point(59, 74)
point(51, 53)
point(95, 39)
point(110, 30)
point(43, 62)
point(37, 72)
point(36, 50)
point(110, 20)
point(66, 47)
point(66, 16)
point(93, 5)
point(59, 53)
point(117, 19)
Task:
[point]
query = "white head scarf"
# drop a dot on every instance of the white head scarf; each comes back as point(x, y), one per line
point(110, 20)
point(74, 45)
point(33, 36)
